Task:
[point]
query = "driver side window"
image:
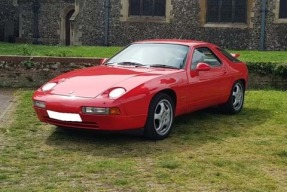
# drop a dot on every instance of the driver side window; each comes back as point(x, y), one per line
point(204, 55)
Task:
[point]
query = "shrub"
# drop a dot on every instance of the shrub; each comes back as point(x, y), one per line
point(268, 68)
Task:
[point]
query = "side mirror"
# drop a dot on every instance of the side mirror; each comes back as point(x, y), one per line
point(203, 67)
point(103, 61)
point(235, 55)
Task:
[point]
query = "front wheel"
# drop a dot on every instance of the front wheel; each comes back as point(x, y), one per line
point(236, 99)
point(160, 117)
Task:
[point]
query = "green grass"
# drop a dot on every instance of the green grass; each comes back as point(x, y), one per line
point(59, 51)
point(262, 56)
point(98, 51)
point(206, 151)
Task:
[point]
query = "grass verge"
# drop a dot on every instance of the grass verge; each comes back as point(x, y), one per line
point(206, 151)
point(58, 51)
point(98, 51)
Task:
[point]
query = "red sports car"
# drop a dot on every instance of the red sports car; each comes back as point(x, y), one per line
point(145, 85)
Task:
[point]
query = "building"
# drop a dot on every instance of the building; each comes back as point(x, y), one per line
point(8, 19)
point(234, 24)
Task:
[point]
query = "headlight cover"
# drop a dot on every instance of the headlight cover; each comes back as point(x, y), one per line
point(116, 93)
point(48, 86)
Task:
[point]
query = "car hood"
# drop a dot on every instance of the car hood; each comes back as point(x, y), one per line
point(91, 82)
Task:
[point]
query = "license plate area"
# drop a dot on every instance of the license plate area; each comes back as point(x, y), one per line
point(72, 117)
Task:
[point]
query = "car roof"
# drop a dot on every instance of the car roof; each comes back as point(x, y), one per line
point(190, 43)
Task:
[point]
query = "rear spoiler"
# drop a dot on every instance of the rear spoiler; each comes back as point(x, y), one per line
point(235, 55)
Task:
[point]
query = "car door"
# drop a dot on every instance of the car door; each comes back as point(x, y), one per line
point(206, 87)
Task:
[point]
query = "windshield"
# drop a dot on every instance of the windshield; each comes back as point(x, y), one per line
point(152, 55)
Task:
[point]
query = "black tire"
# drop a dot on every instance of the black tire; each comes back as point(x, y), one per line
point(160, 117)
point(236, 99)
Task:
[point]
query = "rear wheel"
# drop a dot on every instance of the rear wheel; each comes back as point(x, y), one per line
point(236, 99)
point(160, 117)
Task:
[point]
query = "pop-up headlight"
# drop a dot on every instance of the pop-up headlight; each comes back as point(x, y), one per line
point(48, 86)
point(116, 93)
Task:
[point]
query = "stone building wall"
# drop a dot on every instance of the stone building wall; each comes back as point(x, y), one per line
point(26, 20)
point(49, 19)
point(8, 10)
point(185, 23)
point(185, 19)
point(91, 17)
point(8, 19)
point(276, 29)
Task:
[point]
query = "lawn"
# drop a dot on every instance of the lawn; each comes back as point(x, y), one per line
point(207, 151)
point(59, 51)
point(98, 51)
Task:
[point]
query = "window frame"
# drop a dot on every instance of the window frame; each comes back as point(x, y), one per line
point(276, 12)
point(193, 67)
point(228, 56)
point(126, 17)
point(220, 12)
point(141, 9)
point(280, 9)
point(249, 23)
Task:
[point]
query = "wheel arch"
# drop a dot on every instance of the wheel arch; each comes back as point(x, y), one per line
point(170, 93)
point(160, 130)
point(243, 81)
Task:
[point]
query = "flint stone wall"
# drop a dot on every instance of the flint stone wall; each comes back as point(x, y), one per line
point(25, 72)
point(35, 71)
point(185, 22)
point(8, 20)
point(276, 32)
point(49, 20)
point(8, 11)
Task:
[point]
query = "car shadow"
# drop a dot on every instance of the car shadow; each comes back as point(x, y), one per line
point(194, 129)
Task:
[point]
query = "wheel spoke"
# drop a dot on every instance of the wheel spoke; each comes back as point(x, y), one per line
point(162, 107)
point(157, 116)
point(160, 127)
point(237, 96)
point(163, 117)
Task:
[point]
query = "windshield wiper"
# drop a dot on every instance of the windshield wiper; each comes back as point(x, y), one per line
point(126, 63)
point(131, 63)
point(164, 66)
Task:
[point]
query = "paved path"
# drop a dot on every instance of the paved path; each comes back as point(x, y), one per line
point(6, 101)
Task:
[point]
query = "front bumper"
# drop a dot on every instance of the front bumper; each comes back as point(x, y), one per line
point(67, 104)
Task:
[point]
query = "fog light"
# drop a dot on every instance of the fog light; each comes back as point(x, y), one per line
point(40, 104)
point(96, 110)
point(101, 110)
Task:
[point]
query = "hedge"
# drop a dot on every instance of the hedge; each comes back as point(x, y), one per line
point(268, 68)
